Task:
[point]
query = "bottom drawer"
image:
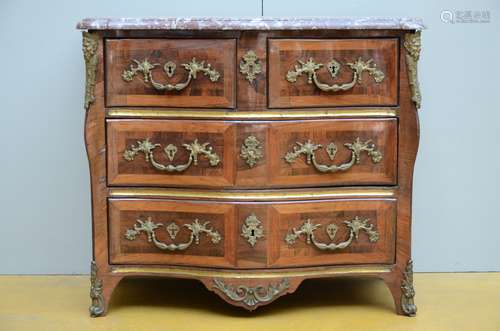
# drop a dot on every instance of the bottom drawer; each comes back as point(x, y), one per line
point(252, 234)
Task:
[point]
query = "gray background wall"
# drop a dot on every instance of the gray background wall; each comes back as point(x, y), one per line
point(45, 200)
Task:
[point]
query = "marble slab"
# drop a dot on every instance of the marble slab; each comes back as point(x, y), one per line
point(257, 23)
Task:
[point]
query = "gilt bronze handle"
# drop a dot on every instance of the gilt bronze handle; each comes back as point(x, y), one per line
point(195, 148)
point(146, 68)
point(355, 225)
point(310, 67)
point(309, 148)
point(149, 227)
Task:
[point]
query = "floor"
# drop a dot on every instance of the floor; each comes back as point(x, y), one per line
point(468, 301)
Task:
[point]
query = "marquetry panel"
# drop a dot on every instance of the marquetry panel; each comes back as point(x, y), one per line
point(209, 251)
point(284, 55)
point(380, 214)
point(371, 169)
point(168, 57)
point(213, 170)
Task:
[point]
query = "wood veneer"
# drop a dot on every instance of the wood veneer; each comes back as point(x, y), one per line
point(270, 250)
point(271, 171)
point(219, 53)
point(285, 53)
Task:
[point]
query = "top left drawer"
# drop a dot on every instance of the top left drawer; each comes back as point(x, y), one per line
point(197, 73)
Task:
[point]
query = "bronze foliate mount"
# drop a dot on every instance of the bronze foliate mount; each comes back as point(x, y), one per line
point(146, 68)
point(251, 151)
point(309, 148)
point(149, 227)
point(250, 66)
point(251, 296)
point(97, 306)
point(412, 44)
point(90, 44)
point(194, 148)
point(408, 291)
point(357, 67)
point(252, 229)
point(355, 226)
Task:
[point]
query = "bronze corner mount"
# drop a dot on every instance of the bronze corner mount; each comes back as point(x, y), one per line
point(90, 44)
point(408, 291)
point(412, 44)
point(97, 306)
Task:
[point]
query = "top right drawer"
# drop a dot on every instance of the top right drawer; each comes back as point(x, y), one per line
point(333, 72)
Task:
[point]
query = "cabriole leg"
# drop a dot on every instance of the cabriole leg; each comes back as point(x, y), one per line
point(402, 290)
point(101, 289)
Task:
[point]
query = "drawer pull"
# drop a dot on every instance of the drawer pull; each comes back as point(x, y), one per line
point(358, 67)
point(355, 225)
point(149, 227)
point(195, 148)
point(251, 151)
point(146, 68)
point(308, 148)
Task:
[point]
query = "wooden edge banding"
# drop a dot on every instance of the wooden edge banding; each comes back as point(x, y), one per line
point(263, 115)
point(196, 273)
point(289, 194)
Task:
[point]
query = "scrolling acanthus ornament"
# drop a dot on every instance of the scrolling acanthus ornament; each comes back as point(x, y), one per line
point(359, 66)
point(412, 44)
point(407, 302)
point(89, 46)
point(251, 151)
point(97, 305)
point(149, 227)
point(146, 68)
point(355, 226)
point(252, 229)
point(252, 295)
point(309, 148)
point(194, 148)
point(250, 66)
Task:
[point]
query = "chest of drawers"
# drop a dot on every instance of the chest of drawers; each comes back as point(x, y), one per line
point(251, 154)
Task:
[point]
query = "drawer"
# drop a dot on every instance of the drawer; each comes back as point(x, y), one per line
point(333, 152)
point(176, 153)
point(171, 72)
point(171, 232)
point(333, 72)
point(253, 234)
point(258, 154)
point(333, 232)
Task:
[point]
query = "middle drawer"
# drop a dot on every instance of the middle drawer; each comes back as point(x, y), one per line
point(257, 154)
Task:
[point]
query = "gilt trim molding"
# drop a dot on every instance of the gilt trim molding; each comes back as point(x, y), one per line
point(323, 193)
point(230, 274)
point(257, 115)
